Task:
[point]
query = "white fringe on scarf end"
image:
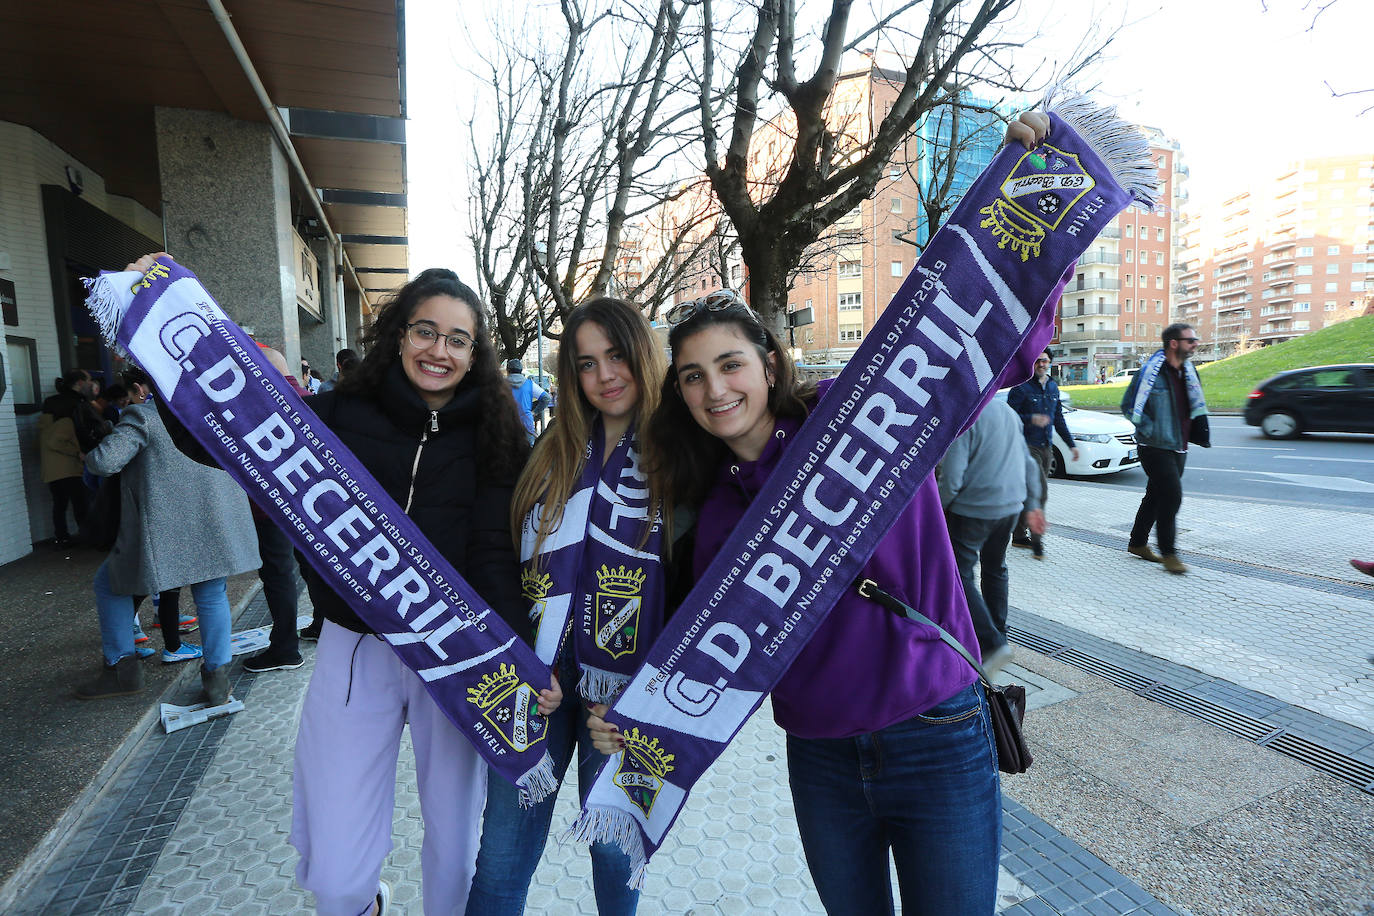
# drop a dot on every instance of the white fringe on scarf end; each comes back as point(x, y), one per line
point(607, 825)
point(600, 686)
point(1117, 142)
point(538, 783)
point(107, 307)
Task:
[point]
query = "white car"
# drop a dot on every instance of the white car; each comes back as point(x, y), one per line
point(1106, 443)
point(1125, 375)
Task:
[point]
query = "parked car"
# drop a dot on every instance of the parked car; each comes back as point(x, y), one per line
point(1106, 443)
point(1125, 375)
point(1318, 399)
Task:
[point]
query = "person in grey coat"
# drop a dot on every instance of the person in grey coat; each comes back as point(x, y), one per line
point(181, 523)
point(987, 480)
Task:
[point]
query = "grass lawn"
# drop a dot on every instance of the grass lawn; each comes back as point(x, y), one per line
point(1227, 382)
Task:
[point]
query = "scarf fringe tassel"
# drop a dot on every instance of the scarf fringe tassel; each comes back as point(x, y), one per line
point(599, 686)
point(607, 825)
point(1119, 143)
point(106, 308)
point(538, 783)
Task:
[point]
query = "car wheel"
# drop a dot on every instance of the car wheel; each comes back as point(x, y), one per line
point(1057, 464)
point(1280, 424)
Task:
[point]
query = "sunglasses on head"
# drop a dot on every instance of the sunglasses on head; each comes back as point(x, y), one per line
point(718, 301)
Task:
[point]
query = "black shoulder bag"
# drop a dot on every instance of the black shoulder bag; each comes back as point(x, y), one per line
point(1006, 704)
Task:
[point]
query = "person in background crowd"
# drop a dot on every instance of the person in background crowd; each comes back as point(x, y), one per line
point(529, 397)
point(1037, 402)
point(988, 480)
point(60, 456)
point(344, 360)
point(1164, 400)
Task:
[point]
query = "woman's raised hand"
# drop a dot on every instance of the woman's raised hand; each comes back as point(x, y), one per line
point(551, 698)
point(145, 263)
point(605, 736)
point(1028, 130)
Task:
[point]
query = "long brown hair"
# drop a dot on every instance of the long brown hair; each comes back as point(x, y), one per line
point(680, 454)
point(502, 444)
point(556, 464)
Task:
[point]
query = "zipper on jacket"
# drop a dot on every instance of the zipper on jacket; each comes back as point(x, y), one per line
point(419, 450)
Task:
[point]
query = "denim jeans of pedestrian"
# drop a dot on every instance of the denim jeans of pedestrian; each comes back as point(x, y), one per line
point(117, 614)
point(983, 542)
point(513, 838)
point(925, 791)
point(1163, 495)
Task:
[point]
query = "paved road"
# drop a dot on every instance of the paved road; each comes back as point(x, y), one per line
point(1325, 470)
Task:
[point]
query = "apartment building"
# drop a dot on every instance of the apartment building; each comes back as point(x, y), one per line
point(1281, 259)
point(1119, 301)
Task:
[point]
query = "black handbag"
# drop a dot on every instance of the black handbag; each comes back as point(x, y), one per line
point(100, 524)
point(1007, 705)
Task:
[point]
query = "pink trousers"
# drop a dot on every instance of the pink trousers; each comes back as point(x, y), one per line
point(359, 699)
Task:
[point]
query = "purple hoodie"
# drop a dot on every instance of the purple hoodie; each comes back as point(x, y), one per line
point(865, 668)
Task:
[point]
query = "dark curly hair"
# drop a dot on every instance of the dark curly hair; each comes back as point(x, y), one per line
point(677, 448)
point(502, 444)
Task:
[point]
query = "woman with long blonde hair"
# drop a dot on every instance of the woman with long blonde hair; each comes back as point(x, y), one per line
point(591, 544)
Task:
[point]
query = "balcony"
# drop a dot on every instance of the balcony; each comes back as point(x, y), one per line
point(1111, 232)
point(1235, 267)
point(1096, 308)
point(1229, 306)
point(1097, 283)
point(1182, 268)
point(1103, 334)
point(1100, 257)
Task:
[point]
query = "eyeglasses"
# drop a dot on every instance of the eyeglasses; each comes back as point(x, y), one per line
point(718, 301)
point(423, 336)
point(1193, 339)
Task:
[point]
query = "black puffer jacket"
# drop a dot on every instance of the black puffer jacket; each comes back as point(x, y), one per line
point(436, 471)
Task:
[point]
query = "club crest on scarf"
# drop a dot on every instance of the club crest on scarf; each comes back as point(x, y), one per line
point(510, 706)
point(1041, 187)
point(535, 586)
point(618, 600)
point(643, 765)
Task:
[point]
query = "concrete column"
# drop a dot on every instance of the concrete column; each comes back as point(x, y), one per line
point(227, 209)
point(320, 341)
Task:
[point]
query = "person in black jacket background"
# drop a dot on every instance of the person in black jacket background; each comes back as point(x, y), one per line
point(428, 413)
point(1036, 401)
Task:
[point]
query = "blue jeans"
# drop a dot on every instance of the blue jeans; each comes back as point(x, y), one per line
point(117, 615)
point(926, 790)
point(983, 542)
point(513, 838)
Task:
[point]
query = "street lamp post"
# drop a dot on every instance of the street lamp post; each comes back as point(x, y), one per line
point(541, 255)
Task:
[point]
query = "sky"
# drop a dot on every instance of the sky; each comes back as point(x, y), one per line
point(1241, 84)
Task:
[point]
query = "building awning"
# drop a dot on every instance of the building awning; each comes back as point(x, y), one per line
point(88, 76)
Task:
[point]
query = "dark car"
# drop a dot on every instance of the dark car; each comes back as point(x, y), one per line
point(1318, 399)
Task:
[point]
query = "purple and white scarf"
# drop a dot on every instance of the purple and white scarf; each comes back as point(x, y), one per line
point(920, 374)
point(596, 574)
point(214, 378)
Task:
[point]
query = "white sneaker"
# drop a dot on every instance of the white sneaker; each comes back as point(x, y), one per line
point(997, 658)
point(383, 898)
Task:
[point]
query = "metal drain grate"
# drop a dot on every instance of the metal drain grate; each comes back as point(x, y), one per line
point(1347, 769)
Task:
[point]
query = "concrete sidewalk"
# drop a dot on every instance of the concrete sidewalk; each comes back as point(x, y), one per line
point(1132, 806)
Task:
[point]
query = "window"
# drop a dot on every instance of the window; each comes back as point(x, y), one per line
point(1330, 306)
point(850, 302)
point(1143, 257)
point(1302, 325)
point(1333, 268)
point(1304, 270)
point(1130, 232)
point(1128, 305)
point(1128, 279)
point(1333, 249)
point(1128, 329)
point(1359, 267)
point(25, 387)
point(1159, 282)
point(808, 303)
point(1305, 251)
point(1130, 255)
point(894, 172)
point(1159, 259)
point(897, 237)
point(1159, 233)
point(1302, 288)
point(1159, 307)
point(897, 268)
point(850, 269)
point(1332, 287)
point(1302, 307)
point(896, 205)
point(1357, 286)
point(851, 334)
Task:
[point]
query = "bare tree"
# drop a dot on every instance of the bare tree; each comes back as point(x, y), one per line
point(831, 165)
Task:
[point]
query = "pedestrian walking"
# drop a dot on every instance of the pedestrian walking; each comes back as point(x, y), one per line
point(1164, 400)
point(529, 397)
point(1038, 404)
point(588, 517)
point(989, 482)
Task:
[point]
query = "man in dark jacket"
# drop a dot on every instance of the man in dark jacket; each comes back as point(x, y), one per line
point(1036, 401)
point(1165, 403)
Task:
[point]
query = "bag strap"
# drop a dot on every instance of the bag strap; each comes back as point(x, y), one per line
point(870, 589)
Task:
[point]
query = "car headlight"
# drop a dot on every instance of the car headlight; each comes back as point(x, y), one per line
point(1094, 437)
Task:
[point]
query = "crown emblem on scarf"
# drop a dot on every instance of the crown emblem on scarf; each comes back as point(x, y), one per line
point(648, 753)
point(535, 585)
point(620, 581)
point(494, 686)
